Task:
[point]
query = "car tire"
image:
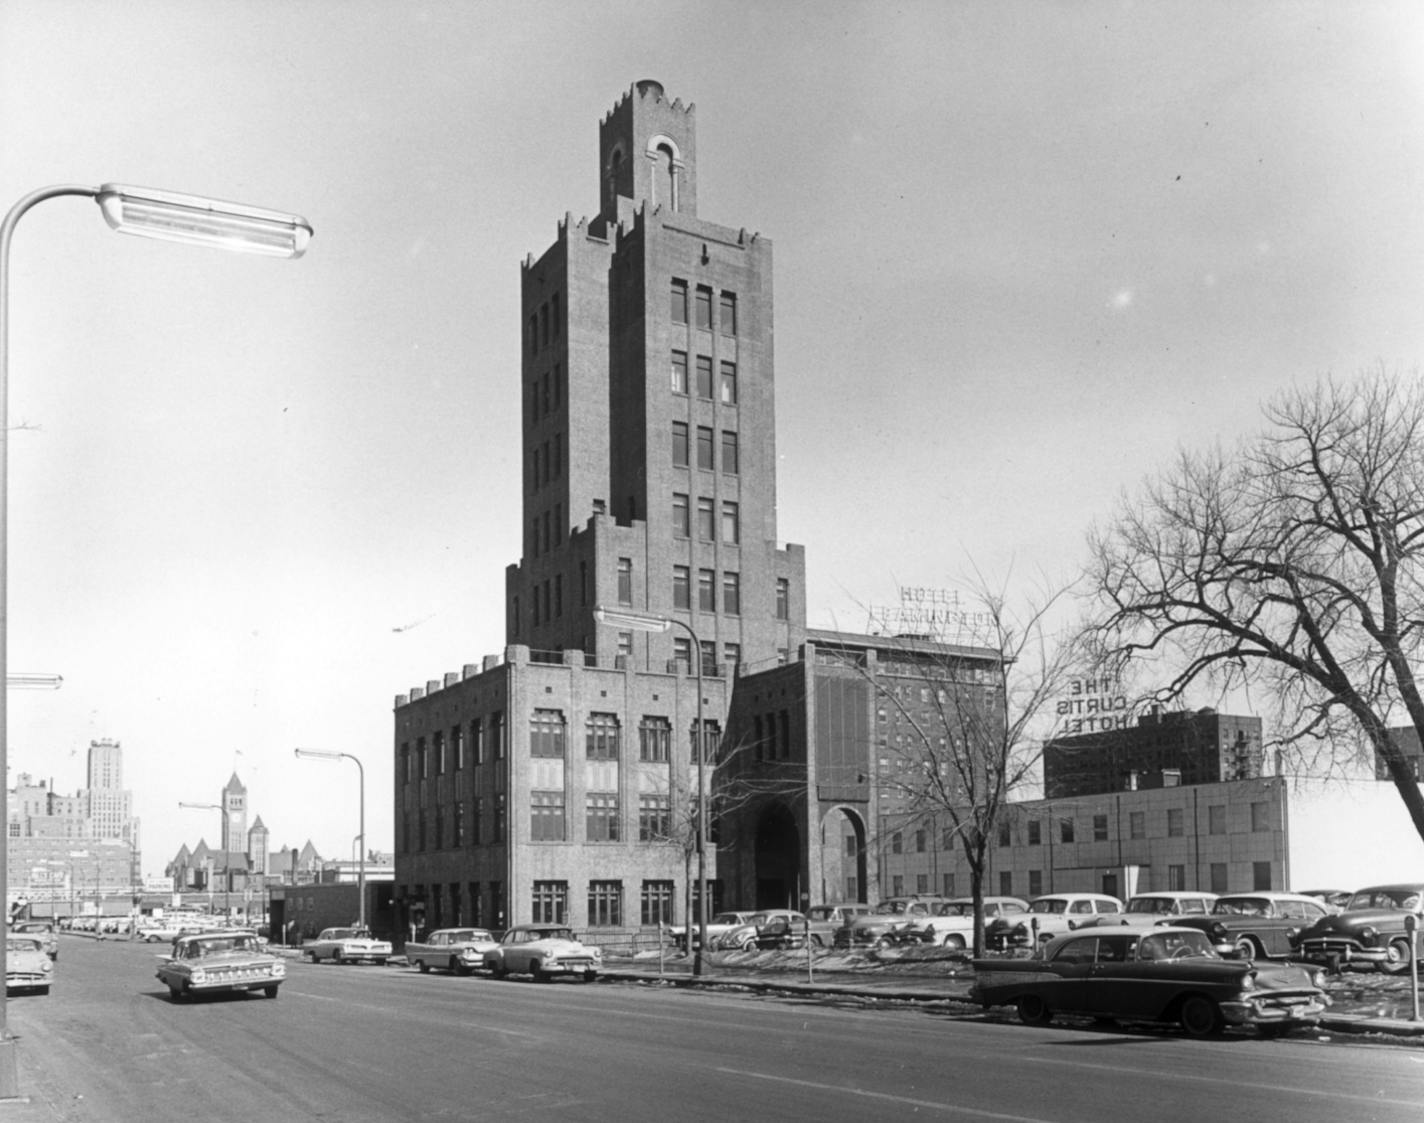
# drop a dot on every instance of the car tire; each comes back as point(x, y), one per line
point(816, 942)
point(1274, 1029)
point(1246, 949)
point(1199, 1016)
point(271, 991)
point(459, 968)
point(499, 971)
point(1033, 1011)
point(423, 966)
point(537, 972)
point(589, 976)
point(954, 941)
point(1399, 956)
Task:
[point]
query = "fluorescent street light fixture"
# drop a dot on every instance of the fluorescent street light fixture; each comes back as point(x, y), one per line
point(320, 754)
point(627, 618)
point(193, 219)
point(34, 682)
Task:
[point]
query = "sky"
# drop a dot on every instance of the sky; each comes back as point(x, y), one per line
point(1023, 252)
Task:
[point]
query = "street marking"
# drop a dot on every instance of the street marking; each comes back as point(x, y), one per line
point(886, 1097)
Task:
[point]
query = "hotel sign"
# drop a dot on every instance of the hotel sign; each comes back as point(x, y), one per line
point(1092, 705)
point(936, 613)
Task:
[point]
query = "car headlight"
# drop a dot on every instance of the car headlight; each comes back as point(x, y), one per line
point(279, 968)
point(199, 975)
point(48, 967)
point(1368, 935)
point(1248, 981)
point(1317, 978)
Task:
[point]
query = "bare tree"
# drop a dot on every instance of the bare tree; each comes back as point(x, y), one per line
point(1293, 563)
point(968, 721)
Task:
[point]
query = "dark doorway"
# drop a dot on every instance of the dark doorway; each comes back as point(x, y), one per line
point(778, 860)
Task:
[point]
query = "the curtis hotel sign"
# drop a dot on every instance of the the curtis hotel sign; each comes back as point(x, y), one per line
point(1092, 705)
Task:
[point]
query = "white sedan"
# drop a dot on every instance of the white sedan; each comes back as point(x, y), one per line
point(543, 951)
point(348, 945)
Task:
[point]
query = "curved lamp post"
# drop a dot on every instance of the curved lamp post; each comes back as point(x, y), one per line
point(652, 622)
point(227, 866)
point(326, 754)
point(150, 214)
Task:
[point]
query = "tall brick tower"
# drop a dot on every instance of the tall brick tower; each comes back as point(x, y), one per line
point(649, 429)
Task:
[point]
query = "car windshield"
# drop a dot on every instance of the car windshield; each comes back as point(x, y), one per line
point(1150, 904)
point(891, 908)
point(958, 909)
point(460, 935)
point(1176, 945)
point(1049, 905)
point(344, 934)
point(727, 918)
point(1242, 906)
point(529, 934)
point(21, 943)
point(1404, 898)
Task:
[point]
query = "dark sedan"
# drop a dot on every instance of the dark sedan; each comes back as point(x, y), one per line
point(1370, 931)
point(1151, 974)
point(1261, 925)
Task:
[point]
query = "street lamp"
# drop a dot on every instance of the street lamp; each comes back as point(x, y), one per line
point(651, 622)
point(227, 861)
point(326, 754)
point(150, 214)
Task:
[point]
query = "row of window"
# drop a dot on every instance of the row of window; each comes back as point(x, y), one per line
point(707, 444)
point(546, 462)
point(546, 392)
point(707, 583)
point(545, 325)
point(722, 388)
point(483, 904)
point(707, 519)
point(1137, 824)
point(1030, 883)
point(548, 737)
point(546, 531)
point(482, 740)
point(702, 305)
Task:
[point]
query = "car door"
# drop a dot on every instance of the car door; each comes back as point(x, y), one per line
point(1065, 985)
point(1116, 987)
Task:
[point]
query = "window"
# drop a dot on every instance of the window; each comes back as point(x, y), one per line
point(657, 903)
point(1261, 875)
point(731, 524)
point(605, 904)
point(709, 657)
point(1065, 826)
point(729, 453)
point(1175, 826)
point(681, 587)
point(1177, 878)
point(704, 377)
point(554, 315)
point(897, 885)
point(1260, 818)
point(1035, 833)
point(732, 594)
point(681, 517)
point(704, 308)
point(625, 580)
point(1100, 828)
point(477, 741)
point(654, 818)
point(602, 818)
point(441, 764)
point(711, 736)
point(679, 444)
point(679, 372)
point(625, 650)
point(424, 758)
point(1218, 877)
point(704, 447)
point(457, 746)
point(654, 739)
point(546, 734)
point(707, 590)
point(783, 599)
point(920, 843)
point(948, 889)
point(546, 820)
point(602, 736)
point(1035, 883)
point(946, 841)
point(897, 843)
point(922, 883)
point(1005, 834)
point(728, 383)
point(460, 823)
point(732, 653)
point(682, 648)
point(679, 302)
point(551, 902)
point(706, 520)
point(727, 313)
point(1006, 883)
point(1137, 824)
point(1216, 819)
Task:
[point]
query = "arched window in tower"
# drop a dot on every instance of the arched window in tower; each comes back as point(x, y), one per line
point(663, 189)
point(667, 172)
point(610, 186)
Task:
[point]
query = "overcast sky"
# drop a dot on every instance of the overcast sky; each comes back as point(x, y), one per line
point(1022, 251)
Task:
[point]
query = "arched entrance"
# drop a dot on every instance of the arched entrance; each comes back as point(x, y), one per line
point(843, 873)
point(778, 859)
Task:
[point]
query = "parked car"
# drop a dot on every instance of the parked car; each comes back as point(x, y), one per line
point(220, 962)
point(1370, 930)
point(164, 931)
point(27, 967)
point(952, 925)
point(1260, 925)
point(457, 950)
point(1164, 907)
point(826, 920)
point(347, 945)
point(877, 927)
point(720, 923)
point(1151, 973)
point(1334, 900)
point(1048, 916)
point(543, 951)
point(744, 936)
point(42, 930)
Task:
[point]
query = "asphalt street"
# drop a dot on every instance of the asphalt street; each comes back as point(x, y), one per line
point(362, 1044)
